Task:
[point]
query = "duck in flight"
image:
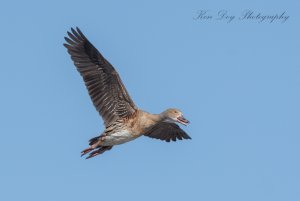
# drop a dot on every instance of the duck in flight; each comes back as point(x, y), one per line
point(123, 120)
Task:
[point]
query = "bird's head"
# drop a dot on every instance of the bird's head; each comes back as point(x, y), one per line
point(173, 115)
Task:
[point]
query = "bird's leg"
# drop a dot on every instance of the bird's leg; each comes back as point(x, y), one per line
point(99, 151)
point(86, 151)
point(94, 144)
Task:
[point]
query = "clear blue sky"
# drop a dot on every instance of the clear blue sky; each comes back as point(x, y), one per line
point(238, 83)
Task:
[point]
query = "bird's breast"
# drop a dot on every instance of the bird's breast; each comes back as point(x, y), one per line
point(140, 123)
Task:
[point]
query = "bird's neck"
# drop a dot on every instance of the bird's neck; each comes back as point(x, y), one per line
point(148, 119)
point(155, 118)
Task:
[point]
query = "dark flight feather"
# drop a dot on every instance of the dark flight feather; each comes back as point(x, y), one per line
point(104, 84)
point(167, 131)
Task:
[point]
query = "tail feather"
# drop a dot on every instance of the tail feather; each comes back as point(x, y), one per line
point(93, 140)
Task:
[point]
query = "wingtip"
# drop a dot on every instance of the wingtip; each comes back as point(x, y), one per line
point(73, 30)
point(66, 45)
point(69, 34)
point(80, 33)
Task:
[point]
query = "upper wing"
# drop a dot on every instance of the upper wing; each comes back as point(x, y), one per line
point(104, 85)
point(167, 131)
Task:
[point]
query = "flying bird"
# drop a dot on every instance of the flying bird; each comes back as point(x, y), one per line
point(123, 120)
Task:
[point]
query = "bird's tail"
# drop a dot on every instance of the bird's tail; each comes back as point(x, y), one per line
point(93, 140)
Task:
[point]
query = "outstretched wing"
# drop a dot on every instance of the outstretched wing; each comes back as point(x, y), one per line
point(167, 131)
point(104, 85)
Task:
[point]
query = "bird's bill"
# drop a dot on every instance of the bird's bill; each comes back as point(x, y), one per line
point(182, 120)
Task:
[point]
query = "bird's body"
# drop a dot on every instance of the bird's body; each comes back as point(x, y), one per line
point(126, 130)
point(123, 120)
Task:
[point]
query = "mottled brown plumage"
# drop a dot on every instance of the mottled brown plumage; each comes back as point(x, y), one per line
point(123, 120)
